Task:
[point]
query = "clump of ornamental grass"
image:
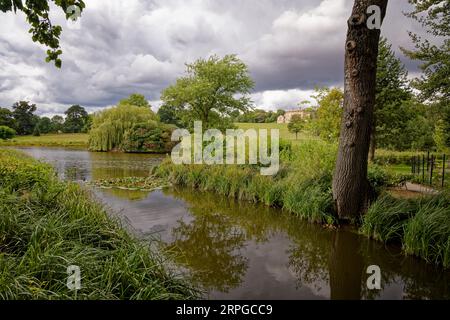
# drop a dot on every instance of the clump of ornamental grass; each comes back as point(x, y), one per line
point(386, 218)
point(427, 234)
point(421, 225)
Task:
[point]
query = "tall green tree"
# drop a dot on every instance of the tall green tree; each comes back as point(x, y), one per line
point(329, 113)
point(76, 118)
point(23, 113)
point(296, 125)
point(45, 125)
point(212, 89)
point(434, 15)
point(137, 100)
point(434, 83)
point(441, 136)
point(7, 118)
point(37, 130)
point(390, 97)
point(37, 14)
point(57, 123)
point(168, 114)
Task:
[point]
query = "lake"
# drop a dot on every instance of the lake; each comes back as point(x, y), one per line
point(239, 250)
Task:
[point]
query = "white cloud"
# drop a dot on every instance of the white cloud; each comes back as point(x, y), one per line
point(282, 99)
point(141, 46)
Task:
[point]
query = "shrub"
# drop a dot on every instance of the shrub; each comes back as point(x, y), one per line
point(7, 133)
point(37, 131)
point(151, 137)
point(380, 177)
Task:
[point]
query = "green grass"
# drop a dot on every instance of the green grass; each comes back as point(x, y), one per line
point(421, 225)
point(284, 132)
point(75, 140)
point(302, 186)
point(47, 225)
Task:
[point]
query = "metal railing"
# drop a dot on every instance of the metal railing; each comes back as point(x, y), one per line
point(431, 168)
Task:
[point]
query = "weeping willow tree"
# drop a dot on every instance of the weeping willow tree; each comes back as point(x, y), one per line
point(109, 126)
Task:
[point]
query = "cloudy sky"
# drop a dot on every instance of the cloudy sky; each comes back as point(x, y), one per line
point(120, 47)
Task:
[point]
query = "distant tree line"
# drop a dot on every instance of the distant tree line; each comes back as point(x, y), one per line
point(259, 116)
point(22, 119)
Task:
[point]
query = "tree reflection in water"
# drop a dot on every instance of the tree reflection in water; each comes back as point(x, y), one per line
point(212, 246)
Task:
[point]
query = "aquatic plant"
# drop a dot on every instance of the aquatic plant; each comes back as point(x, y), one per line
point(132, 183)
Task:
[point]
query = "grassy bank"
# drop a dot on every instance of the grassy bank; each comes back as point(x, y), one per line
point(47, 225)
point(63, 140)
point(421, 225)
point(303, 187)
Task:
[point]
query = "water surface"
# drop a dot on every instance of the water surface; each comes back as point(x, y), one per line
point(239, 250)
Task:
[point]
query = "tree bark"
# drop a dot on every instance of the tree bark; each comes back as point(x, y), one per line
point(351, 189)
point(373, 142)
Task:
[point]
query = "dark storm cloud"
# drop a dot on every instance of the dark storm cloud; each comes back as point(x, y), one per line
point(142, 46)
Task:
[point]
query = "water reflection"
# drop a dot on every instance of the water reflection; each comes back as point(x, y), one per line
point(81, 165)
point(214, 246)
point(210, 247)
point(345, 266)
point(238, 250)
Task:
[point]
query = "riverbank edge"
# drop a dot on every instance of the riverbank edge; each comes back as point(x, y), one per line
point(420, 226)
point(48, 225)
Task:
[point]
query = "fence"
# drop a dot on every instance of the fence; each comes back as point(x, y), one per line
point(431, 169)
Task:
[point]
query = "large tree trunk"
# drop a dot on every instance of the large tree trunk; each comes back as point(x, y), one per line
point(373, 142)
point(351, 189)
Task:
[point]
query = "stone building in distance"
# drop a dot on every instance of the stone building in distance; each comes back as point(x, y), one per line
point(289, 114)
